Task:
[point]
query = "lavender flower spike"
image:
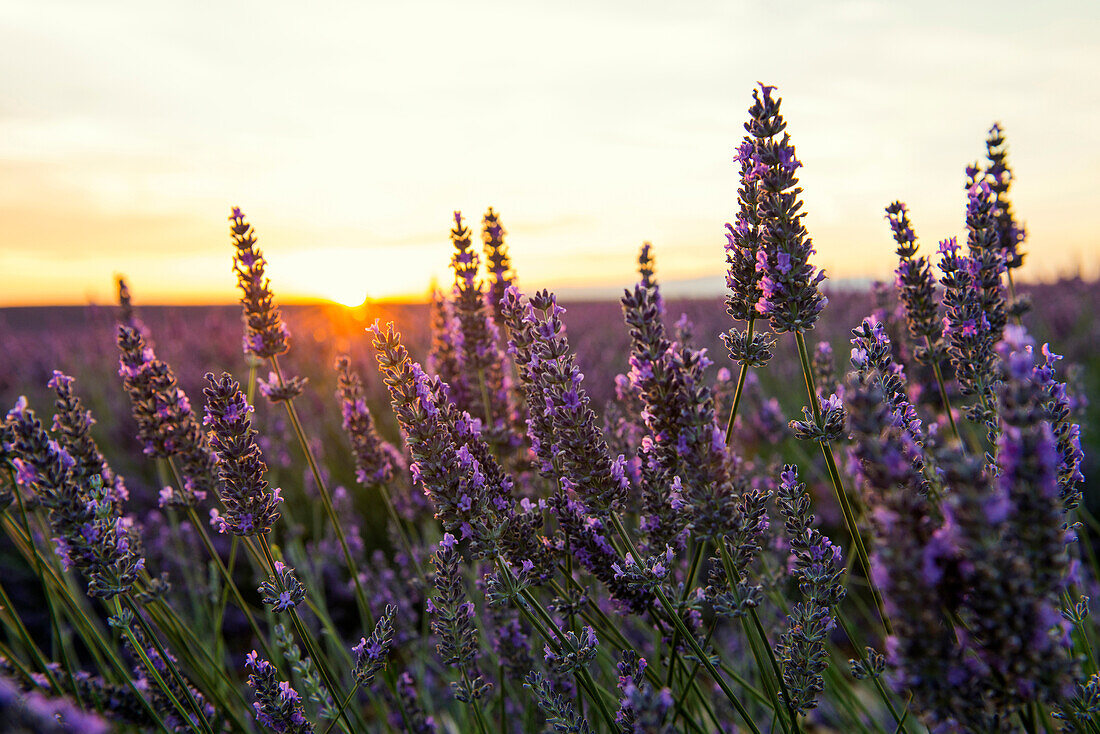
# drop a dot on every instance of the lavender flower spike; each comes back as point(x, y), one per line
point(375, 460)
point(453, 622)
point(73, 424)
point(915, 283)
point(498, 263)
point(251, 507)
point(88, 529)
point(789, 285)
point(265, 333)
point(278, 706)
point(370, 655)
point(166, 423)
point(819, 570)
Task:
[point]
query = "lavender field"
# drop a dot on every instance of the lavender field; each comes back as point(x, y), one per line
point(794, 509)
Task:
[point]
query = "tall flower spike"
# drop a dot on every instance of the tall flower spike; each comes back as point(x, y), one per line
point(371, 655)
point(251, 506)
point(968, 330)
point(683, 438)
point(915, 283)
point(563, 425)
point(557, 709)
point(443, 355)
point(981, 242)
point(1010, 235)
point(126, 307)
point(375, 460)
point(916, 571)
point(73, 424)
point(88, 529)
point(1060, 414)
point(818, 569)
point(872, 357)
point(743, 243)
point(480, 354)
point(1019, 555)
point(654, 381)
point(167, 426)
point(470, 491)
point(265, 333)
point(497, 261)
point(453, 623)
point(790, 294)
point(278, 706)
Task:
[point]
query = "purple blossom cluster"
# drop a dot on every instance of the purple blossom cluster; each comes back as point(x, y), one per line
point(251, 506)
point(87, 526)
point(790, 294)
point(375, 460)
point(266, 335)
point(278, 706)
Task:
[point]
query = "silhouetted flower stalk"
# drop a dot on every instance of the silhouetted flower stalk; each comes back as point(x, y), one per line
point(789, 284)
point(480, 350)
point(498, 263)
point(126, 315)
point(916, 287)
point(1010, 234)
point(743, 244)
point(167, 425)
point(267, 338)
point(265, 333)
point(375, 460)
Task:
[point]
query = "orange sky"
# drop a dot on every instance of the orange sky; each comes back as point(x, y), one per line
point(349, 134)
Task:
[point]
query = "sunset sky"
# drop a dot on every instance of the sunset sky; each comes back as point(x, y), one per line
point(348, 132)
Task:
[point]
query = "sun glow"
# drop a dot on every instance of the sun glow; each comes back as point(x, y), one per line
point(350, 276)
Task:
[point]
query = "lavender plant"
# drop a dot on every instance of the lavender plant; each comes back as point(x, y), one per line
point(517, 557)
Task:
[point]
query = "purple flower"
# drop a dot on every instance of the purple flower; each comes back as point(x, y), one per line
point(266, 335)
point(251, 506)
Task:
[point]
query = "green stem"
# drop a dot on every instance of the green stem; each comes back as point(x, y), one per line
point(230, 583)
point(343, 705)
point(838, 487)
point(670, 611)
point(151, 669)
point(173, 669)
point(740, 387)
point(731, 579)
point(943, 390)
point(367, 619)
point(304, 635)
point(688, 584)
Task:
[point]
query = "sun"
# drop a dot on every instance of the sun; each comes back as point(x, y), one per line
point(347, 294)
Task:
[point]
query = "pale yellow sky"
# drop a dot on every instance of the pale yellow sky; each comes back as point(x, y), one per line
point(349, 131)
